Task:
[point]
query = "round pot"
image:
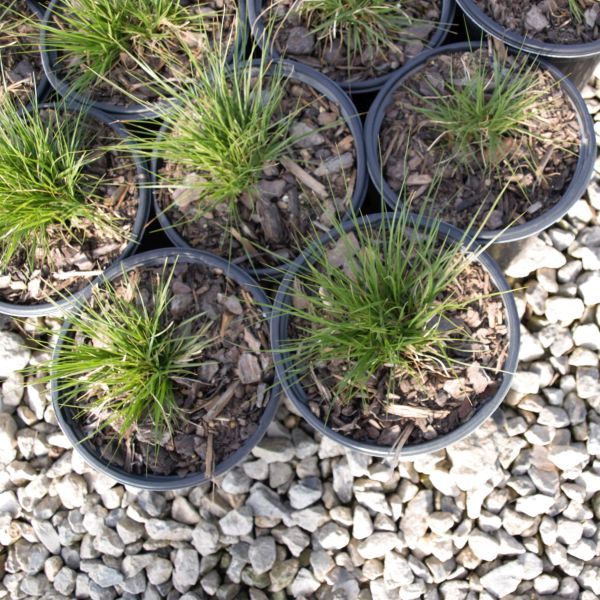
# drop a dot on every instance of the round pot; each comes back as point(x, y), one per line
point(290, 383)
point(129, 112)
point(64, 305)
point(329, 90)
point(65, 415)
point(254, 9)
point(575, 190)
point(577, 61)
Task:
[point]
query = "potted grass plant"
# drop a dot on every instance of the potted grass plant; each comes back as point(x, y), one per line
point(395, 336)
point(162, 378)
point(500, 125)
point(249, 157)
point(357, 43)
point(21, 71)
point(564, 32)
point(99, 52)
point(71, 204)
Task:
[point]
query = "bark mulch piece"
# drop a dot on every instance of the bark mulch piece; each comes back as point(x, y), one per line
point(129, 76)
point(222, 402)
point(294, 39)
point(301, 193)
point(419, 408)
point(21, 63)
point(546, 20)
point(75, 260)
point(539, 164)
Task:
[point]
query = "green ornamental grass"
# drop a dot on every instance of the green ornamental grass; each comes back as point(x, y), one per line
point(220, 129)
point(364, 26)
point(388, 307)
point(119, 363)
point(46, 190)
point(576, 10)
point(481, 109)
point(92, 37)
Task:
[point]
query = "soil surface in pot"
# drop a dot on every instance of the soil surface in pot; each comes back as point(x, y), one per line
point(76, 258)
point(294, 39)
point(128, 81)
point(536, 170)
point(293, 198)
point(418, 408)
point(546, 20)
point(21, 63)
point(223, 401)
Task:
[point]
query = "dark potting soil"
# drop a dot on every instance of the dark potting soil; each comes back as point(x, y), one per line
point(75, 260)
point(397, 406)
point(128, 81)
point(294, 38)
point(21, 63)
point(546, 20)
point(221, 404)
point(538, 166)
point(291, 200)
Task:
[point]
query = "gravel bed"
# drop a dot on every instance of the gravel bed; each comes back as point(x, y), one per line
point(510, 512)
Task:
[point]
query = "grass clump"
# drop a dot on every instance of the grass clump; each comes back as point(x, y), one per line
point(576, 10)
point(119, 363)
point(46, 190)
point(220, 129)
point(387, 308)
point(100, 35)
point(482, 108)
point(366, 28)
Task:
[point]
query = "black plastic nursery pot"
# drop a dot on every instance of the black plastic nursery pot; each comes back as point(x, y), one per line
point(72, 430)
point(287, 371)
point(331, 91)
point(574, 192)
point(63, 305)
point(130, 112)
point(577, 61)
point(254, 9)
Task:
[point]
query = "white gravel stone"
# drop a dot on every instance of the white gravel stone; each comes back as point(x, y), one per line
point(535, 505)
point(332, 536)
point(305, 492)
point(262, 554)
point(564, 310)
point(587, 336)
point(14, 353)
point(186, 569)
point(567, 457)
point(396, 571)
point(588, 284)
point(414, 522)
point(484, 546)
point(377, 545)
point(238, 522)
point(274, 450)
point(534, 254)
point(362, 525)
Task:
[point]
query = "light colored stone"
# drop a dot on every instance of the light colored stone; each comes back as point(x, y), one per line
point(377, 545)
point(14, 353)
point(186, 569)
point(563, 310)
point(535, 505)
point(238, 522)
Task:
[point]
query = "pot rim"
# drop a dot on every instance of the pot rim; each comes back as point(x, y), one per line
point(295, 392)
point(576, 188)
point(63, 305)
point(166, 482)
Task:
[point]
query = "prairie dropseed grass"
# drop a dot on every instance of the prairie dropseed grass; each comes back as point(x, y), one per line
point(46, 191)
point(123, 353)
